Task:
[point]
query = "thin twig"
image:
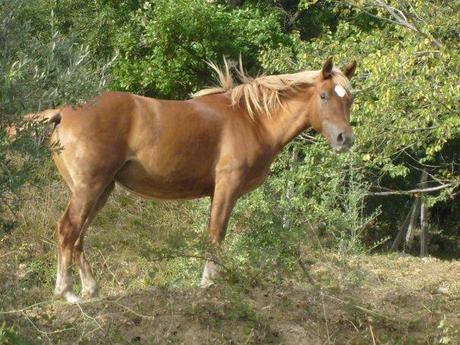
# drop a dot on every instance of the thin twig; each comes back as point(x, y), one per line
point(36, 328)
point(26, 308)
point(304, 267)
point(89, 316)
point(372, 334)
point(151, 317)
point(325, 316)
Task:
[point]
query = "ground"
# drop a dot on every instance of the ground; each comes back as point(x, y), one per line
point(377, 299)
point(148, 260)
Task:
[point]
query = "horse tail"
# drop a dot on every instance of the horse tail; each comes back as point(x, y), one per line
point(46, 116)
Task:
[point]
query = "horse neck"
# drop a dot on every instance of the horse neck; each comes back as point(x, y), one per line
point(290, 120)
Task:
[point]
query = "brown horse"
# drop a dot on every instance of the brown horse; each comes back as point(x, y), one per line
point(220, 144)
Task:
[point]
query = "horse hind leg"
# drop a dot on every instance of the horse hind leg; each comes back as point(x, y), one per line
point(88, 282)
point(84, 198)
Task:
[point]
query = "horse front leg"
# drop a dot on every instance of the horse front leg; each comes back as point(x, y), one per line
point(223, 201)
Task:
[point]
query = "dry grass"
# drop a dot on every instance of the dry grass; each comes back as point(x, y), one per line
point(378, 299)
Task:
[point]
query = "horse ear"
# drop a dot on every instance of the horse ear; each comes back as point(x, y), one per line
point(327, 69)
point(349, 70)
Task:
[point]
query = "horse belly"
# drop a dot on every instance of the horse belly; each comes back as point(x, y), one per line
point(152, 182)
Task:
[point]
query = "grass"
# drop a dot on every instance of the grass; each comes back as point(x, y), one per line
point(148, 259)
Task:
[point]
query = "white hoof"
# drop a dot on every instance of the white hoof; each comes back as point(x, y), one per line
point(205, 283)
point(210, 272)
point(71, 297)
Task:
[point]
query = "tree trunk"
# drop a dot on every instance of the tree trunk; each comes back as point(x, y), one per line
point(402, 231)
point(413, 222)
point(409, 225)
point(423, 223)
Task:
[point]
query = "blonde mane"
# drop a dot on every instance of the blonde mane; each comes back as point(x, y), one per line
point(264, 94)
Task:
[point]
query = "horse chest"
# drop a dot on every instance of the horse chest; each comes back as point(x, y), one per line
point(250, 170)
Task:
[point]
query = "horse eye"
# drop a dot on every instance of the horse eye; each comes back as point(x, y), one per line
point(323, 96)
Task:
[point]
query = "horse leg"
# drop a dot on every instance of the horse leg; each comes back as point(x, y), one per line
point(88, 282)
point(223, 201)
point(81, 203)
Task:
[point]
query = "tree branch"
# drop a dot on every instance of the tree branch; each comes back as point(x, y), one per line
point(412, 191)
point(398, 17)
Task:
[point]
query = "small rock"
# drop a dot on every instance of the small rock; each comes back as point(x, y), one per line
point(443, 289)
point(22, 271)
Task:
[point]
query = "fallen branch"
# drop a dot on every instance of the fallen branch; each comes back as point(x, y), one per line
point(365, 310)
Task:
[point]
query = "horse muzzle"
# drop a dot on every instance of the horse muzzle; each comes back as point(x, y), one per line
point(343, 142)
point(340, 138)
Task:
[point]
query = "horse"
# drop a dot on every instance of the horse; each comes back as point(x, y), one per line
point(219, 144)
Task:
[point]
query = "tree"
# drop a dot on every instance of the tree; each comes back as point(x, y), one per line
point(165, 45)
point(407, 98)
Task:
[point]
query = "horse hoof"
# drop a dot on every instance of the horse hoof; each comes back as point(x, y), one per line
point(206, 283)
point(90, 293)
point(210, 273)
point(71, 297)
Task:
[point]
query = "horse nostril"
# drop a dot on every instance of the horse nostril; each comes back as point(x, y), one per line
point(340, 139)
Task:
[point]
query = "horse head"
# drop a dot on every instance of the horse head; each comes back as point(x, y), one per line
point(332, 100)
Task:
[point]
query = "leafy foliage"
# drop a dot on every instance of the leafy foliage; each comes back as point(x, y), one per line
point(405, 114)
point(165, 45)
point(406, 109)
point(40, 68)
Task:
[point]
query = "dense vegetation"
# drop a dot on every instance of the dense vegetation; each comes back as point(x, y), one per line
point(407, 95)
point(406, 117)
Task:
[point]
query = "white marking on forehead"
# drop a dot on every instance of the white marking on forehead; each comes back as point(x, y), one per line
point(339, 90)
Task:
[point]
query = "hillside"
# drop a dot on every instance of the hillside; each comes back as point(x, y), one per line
point(365, 299)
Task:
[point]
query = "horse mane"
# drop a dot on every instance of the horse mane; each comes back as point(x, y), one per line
point(265, 93)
